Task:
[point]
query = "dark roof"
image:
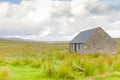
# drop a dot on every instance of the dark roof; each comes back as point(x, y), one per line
point(83, 36)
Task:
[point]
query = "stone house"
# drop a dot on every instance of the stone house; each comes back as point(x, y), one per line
point(93, 41)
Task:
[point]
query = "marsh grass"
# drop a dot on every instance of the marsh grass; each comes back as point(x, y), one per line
point(65, 72)
point(47, 70)
point(55, 61)
point(4, 73)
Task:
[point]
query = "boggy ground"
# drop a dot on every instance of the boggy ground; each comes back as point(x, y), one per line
point(52, 61)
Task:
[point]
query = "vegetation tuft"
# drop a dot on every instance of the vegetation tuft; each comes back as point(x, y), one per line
point(53, 61)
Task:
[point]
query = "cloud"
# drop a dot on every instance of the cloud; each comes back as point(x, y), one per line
point(53, 20)
point(25, 18)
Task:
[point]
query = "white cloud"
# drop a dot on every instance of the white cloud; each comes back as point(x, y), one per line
point(56, 20)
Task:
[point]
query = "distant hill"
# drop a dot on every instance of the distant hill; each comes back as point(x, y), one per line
point(117, 39)
point(29, 40)
point(15, 39)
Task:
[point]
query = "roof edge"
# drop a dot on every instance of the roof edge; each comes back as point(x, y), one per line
point(93, 30)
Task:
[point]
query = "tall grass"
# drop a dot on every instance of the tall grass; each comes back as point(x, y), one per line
point(55, 61)
point(47, 70)
point(65, 72)
point(4, 74)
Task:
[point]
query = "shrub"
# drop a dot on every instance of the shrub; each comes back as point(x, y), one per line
point(2, 61)
point(48, 70)
point(103, 67)
point(4, 74)
point(94, 55)
point(115, 66)
point(36, 63)
point(118, 52)
point(16, 62)
point(65, 72)
point(89, 68)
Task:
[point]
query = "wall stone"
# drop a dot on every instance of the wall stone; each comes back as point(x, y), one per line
point(99, 41)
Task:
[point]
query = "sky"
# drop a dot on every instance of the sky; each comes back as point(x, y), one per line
point(57, 20)
point(11, 1)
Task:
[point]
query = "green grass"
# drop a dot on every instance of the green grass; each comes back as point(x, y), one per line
point(24, 73)
point(52, 61)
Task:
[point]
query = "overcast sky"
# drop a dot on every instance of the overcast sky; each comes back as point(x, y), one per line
point(57, 20)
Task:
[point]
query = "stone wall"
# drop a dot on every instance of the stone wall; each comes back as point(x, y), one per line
point(78, 49)
point(72, 47)
point(101, 42)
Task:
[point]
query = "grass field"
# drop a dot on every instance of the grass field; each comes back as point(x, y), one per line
point(52, 61)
